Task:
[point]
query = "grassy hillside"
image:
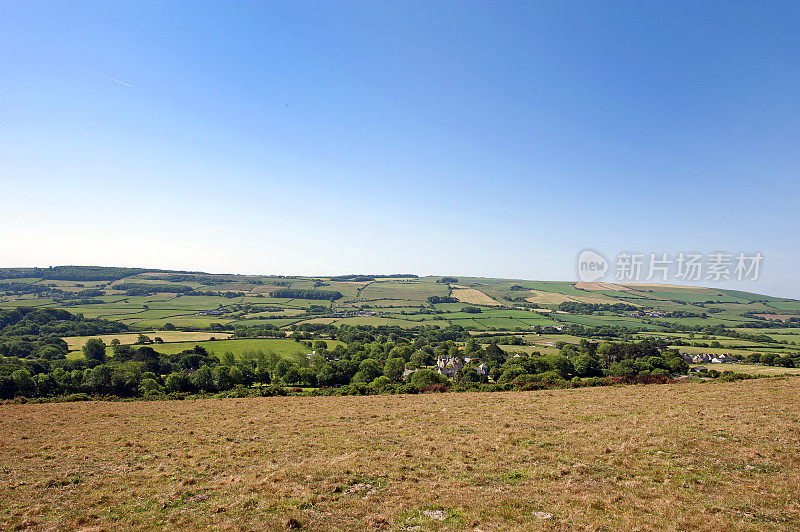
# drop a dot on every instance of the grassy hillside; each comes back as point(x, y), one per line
point(685, 456)
point(150, 300)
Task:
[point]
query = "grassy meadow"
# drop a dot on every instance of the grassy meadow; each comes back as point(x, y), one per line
point(684, 456)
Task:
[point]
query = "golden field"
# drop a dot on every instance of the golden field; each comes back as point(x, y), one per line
point(684, 456)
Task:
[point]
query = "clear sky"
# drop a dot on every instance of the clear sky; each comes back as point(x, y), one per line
point(470, 138)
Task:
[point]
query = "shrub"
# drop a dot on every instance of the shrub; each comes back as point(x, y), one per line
point(426, 377)
point(272, 391)
point(77, 397)
point(149, 387)
point(434, 388)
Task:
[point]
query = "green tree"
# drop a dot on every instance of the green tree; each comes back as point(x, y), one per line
point(95, 350)
point(380, 383)
point(466, 375)
point(292, 376)
point(24, 384)
point(8, 387)
point(393, 369)
point(100, 379)
point(677, 365)
point(149, 387)
point(368, 371)
point(222, 381)
point(767, 359)
point(177, 381)
point(426, 377)
point(587, 366)
point(202, 379)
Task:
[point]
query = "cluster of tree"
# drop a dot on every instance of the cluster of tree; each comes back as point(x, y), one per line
point(588, 331)
point(773, 359)
point(441, 299)
point(72, 273)
point(364, 359)
point(228, 293)
point(27, 332)
point(372, 277)
point(299, 293)
point(147, 289)
point(204, 279)
point(575, 307)
point(87, 293)
point(447, 280)
point(516, 288)
point(471, 310)
point(79, 302)
point(590, 359)
point(355, 278)
point(22, 288)
point(261, 331)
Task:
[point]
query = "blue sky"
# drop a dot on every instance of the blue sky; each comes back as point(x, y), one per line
point(470, 138)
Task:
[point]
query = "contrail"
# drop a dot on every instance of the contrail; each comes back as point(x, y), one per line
point(108, 77)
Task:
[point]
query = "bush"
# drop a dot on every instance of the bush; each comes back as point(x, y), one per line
point(272, 391)
point(407, 388)
point(730, 376)
point(380, 383)
point(149, 387)
point(434, 388)
point(426, 377)
point(177, 381)
point(767, 359)
point(77, 397)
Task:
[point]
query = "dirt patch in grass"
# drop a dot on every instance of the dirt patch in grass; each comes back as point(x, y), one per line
point(683, 456)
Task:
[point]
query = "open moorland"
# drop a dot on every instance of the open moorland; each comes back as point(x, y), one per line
point(682, 456)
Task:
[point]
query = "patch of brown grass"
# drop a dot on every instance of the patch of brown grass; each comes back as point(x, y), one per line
point(472, 296)
point(77, 342)
point(681, 456)
point(601, 286)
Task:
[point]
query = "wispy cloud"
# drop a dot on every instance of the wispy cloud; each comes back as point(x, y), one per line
point(108, 77)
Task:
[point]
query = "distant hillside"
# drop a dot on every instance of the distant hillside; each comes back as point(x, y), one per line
point(144, 298)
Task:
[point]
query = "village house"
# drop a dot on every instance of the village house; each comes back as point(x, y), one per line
point(449, 366)
point(706, 358)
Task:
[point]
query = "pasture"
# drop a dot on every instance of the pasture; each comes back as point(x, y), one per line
point(77, 342)
point(685, 456)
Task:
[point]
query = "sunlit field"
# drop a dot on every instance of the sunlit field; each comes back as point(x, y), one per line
point(682, 456)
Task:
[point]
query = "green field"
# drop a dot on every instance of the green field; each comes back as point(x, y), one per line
point(283, 347)
point(403, 302)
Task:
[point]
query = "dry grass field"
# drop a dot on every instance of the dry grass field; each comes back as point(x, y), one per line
point(611, 287)
point(554, 298)
point(683, 456)
point(472, 296)
point(77, 342)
